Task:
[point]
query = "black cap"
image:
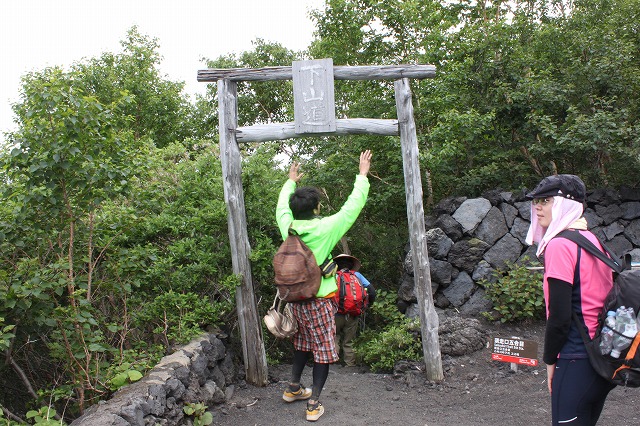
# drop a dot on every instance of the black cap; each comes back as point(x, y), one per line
point(567, 186)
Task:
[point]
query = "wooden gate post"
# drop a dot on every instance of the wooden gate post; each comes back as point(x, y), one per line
point(255, 359)
point(417, 234)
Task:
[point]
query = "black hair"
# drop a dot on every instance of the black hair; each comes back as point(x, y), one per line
point(304, 201)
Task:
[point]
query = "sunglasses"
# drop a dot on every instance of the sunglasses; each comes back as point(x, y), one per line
point(541, 201)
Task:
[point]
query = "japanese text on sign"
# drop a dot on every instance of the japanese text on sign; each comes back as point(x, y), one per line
point(313, 96)
point(515, 350)
point(507, 346)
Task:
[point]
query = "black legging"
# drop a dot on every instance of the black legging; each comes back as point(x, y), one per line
point(578, 393)
point(320, 372)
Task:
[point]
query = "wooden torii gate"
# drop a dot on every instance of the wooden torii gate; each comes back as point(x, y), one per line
point(255, 361)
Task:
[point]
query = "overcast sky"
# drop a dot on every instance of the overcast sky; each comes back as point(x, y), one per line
point(35, 34)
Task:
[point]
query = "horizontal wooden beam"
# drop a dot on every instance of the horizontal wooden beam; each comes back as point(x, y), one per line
point(352, 126)
point(377, 72)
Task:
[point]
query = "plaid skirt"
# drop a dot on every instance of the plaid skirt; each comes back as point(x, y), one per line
point(316, 329)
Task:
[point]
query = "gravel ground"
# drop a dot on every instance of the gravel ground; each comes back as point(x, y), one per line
point(476, 391)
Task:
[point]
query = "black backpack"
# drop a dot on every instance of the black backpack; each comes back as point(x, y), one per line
point(624, 370)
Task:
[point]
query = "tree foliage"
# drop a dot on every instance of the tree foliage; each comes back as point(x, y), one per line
point(113, 250)
point(523, 89)
point(158, 109)
point(260, 102)
point(67, 158)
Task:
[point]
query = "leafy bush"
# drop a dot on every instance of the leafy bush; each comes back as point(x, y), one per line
point(45, 416)
point(134, 362)
point(516, 295)
point(382, 350)
point(7, 421)
point(385, 309)
point(391, 338)
point(177, 317)
point(201, 417)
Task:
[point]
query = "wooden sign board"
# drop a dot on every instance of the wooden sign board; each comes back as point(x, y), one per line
point(515, 350)
point(314, 96)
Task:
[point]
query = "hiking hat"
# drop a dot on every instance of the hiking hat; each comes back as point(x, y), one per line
point(567, 186)
point(346, 261)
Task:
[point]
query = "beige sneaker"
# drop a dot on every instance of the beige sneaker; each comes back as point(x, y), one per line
point(314, 411)
point(301, 393)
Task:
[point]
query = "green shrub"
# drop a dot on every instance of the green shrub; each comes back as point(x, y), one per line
point(390, 336)
point(45, 416)
point(132, 365)
point(201, 417)
point(178, 318)
point(6, 421)
point(384, 310)
point(382, 350)
point(516, 295)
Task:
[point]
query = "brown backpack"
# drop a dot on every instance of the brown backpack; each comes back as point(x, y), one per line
point(297, 274)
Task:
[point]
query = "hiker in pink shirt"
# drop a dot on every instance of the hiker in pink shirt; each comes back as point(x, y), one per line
point(574, 281)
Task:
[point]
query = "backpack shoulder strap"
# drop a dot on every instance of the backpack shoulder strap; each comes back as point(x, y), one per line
point(328, 267)
point(589, 247)
point(342, 289)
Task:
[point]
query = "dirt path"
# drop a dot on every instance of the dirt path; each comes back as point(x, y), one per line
point(476, 391)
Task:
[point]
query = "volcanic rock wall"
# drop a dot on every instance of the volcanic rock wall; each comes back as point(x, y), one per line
point(469, 238)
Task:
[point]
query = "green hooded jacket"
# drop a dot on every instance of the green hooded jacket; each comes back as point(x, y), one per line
point(321, 234)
